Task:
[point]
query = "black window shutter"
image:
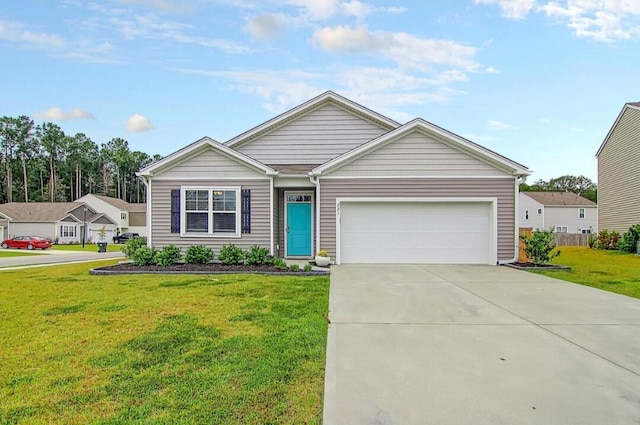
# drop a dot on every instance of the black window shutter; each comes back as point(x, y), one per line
point(175, 210)
point(246, 211)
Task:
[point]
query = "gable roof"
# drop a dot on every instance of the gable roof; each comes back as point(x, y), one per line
point(204, 143)
point(38, 211)
point(419, 124)
point(629, 105)
point(308, 106)
point(560, 199)
point(121, 204)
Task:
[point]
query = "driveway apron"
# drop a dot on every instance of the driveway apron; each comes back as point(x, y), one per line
point(433, 344)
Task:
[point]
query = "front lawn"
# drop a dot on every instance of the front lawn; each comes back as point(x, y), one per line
point(160, 349)
point(87, 247)
point(6, 253)
point(609, 270)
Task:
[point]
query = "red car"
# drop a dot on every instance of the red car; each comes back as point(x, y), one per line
point(29, 242)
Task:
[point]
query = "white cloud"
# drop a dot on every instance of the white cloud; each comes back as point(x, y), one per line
point(512, 9)
point(266, 26)
point(478, 138)
point(138, 124)
point(492, 70)
point(57, 114)
point(499, 125)
point(17, 33)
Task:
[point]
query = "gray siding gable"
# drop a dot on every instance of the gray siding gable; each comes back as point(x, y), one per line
point(319, 135)
point(207, 163)
point(416, 154)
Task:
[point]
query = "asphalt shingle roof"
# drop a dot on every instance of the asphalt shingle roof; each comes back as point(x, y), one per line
point(560, 198)
point(38, 211)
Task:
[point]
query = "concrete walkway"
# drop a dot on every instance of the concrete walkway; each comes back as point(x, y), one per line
point(478, 345)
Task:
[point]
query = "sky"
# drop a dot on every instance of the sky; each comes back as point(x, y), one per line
point(538, 81)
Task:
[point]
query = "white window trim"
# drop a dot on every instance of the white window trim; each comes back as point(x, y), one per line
point(210, 234)
point(562, 227)
point(584, 213)
point(68, 226)
point(585, 231)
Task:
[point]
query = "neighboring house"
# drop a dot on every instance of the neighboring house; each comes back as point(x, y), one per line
point(331, 174)
point(619, 172)
point(561, 212)
point(128, 217)
point(59, 221)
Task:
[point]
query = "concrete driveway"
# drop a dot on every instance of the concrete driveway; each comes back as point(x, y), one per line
point(53, 257)
point(422, 344)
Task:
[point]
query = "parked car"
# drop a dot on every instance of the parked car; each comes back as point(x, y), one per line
point(28, 242)
point(124, 237)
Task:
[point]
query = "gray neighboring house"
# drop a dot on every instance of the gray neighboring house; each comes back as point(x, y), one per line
point(619, 172)
point(331, 174)
point(562, 212)
point(58, 221)
point(129, 217)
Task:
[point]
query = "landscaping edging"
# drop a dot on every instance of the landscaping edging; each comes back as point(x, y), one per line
point(538, 267)
point(103, 271)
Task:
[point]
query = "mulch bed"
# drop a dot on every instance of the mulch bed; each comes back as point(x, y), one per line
point(534, 266)
point(211, 268)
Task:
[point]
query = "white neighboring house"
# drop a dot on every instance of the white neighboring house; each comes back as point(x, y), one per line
point(127, 216)
point(562, 212)
point(61, 222)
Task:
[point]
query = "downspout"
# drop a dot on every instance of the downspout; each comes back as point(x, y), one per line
point(271, 215)
point(314, 180)
point(516, 221)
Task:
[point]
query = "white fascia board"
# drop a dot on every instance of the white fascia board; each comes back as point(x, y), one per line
point(177, 156)
point(420, 124)
point(76, 219)
point(615, 124)
point(6, 217)
point(308, 105)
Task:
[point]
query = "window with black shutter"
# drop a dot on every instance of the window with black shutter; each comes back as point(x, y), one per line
point(246, 210)
point(175, 210)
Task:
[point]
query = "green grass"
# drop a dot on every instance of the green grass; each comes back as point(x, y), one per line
point(609, 270)
point(160, 349)
point(111, 247)
point(6, 253)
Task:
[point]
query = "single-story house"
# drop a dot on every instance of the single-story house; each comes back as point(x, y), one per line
point(562, 212)
point(619, 172)
point(331, 174)
point(61, 222)
point(129, 217)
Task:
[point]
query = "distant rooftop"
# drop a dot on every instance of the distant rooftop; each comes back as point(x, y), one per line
point(560, 198)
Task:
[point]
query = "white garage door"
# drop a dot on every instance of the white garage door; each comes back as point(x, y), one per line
point(416, 232)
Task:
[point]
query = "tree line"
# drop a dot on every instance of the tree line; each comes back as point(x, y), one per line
point(581, 185)
point(40, 163)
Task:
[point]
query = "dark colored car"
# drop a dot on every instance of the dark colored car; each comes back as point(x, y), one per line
point(28, 242)
point(124, 237)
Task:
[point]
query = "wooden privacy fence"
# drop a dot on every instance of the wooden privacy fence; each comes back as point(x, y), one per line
point(571, 239)
point(521, 255)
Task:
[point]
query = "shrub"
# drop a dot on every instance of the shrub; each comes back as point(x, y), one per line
point(629, 240)
point(592, 240)
point(143, 256)
point(308, 268)
point(539, 246)
point(132, 246)
point(258, 256)
point(322, 253)
point(168, 256)
point(280, 263)
point(231, 254)
point(607, 239)
point(295, 268)
point(198, 254)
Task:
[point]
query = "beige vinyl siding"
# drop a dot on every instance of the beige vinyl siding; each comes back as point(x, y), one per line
point(208, 163)
point(314, 138)
point(503, 189)
point(161, 215)
point(417, 154)
point(137, 219)
point(619, 175)
point(42, 229)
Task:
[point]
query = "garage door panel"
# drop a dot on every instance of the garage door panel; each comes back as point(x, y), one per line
point(415, 232)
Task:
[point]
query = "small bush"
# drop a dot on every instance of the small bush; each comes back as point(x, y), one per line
point(592, 240)
point(308, 268)
point(539, 246)
point(231, 254)
point(607, 239)
point(168, 256)
point(198, 254)
point(280, 263)
point(295, 268)
point(257, 256)
point(629, 240)
point(322, 253)
point(132, 246)
point(143, 256)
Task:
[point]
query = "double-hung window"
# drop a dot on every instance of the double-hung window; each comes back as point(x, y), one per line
point(67, 231)
point(582, 213)
point(211, 211)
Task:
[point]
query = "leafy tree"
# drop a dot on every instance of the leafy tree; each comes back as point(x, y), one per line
point(580, 185)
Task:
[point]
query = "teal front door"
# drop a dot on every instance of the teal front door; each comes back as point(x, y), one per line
point(298, 226)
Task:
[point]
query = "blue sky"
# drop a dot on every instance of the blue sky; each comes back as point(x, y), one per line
point(538, 81)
